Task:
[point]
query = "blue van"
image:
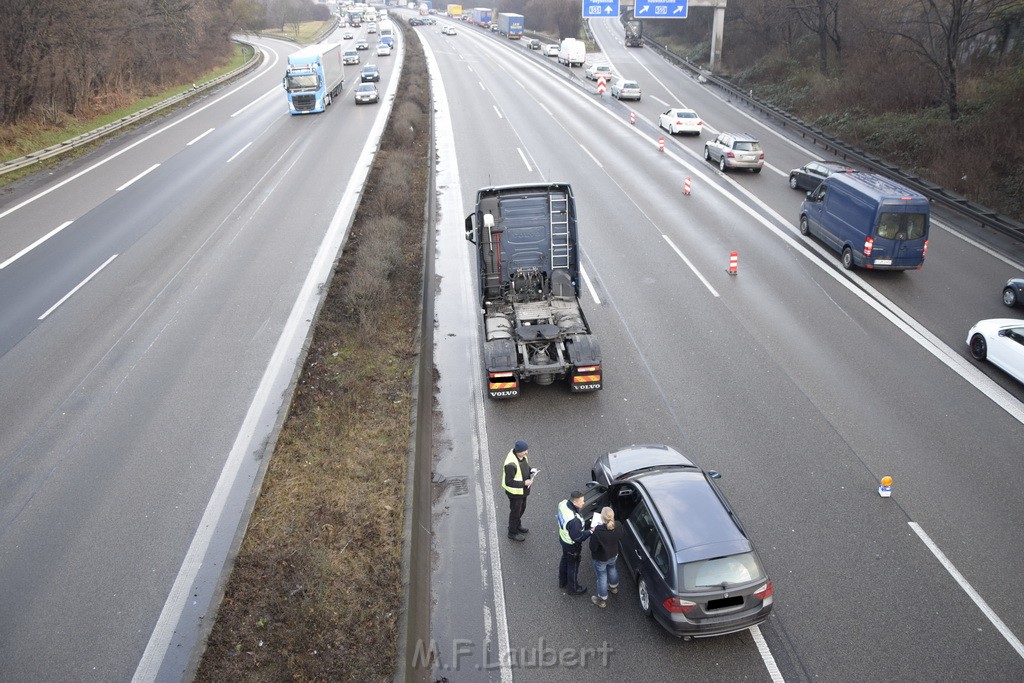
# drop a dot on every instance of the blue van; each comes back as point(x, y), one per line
point(870, 220)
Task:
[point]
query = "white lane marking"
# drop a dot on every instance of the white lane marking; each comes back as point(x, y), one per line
point(660, 101)
point(481, 84)
point(583, 147)
point(198, 138)
point(490, 554)
point(589, 284)
point(259, 99)
point(497, 111)
point(691, 266)
point(969, 589)
point(147, 171)
point(35, 244)
point(546, 110)
point(81, 284)
point(766, 655)
point(279, 368)
point(135, 144)
point(976, 244)
point(239, 152)
point(529, 169)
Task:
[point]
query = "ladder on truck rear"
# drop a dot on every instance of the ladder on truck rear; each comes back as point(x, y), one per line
point(558, 203)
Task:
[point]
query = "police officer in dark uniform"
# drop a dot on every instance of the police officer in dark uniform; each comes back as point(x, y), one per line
point(572, 531)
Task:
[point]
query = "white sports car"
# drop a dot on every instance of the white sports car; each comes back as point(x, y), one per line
point(1000, 341)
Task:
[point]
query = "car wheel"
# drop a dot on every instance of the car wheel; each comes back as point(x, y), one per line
point(756, 170)
point(707, 154)
point(979, 349)
point(721, 164)
point(1009, 297)
point(805, 228)
point(644, 595)
point(792, 183)
point(847, 258)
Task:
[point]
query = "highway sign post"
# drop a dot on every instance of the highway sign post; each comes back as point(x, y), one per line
point(593, 9)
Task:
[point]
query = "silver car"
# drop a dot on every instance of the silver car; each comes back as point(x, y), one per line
point(625, 89)
point(735, 150)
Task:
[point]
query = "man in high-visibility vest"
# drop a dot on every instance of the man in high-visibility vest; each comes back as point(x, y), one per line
point(517, 488)
point(572, 531)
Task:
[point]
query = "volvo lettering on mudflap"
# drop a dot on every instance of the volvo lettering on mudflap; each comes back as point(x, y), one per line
point(528, 275)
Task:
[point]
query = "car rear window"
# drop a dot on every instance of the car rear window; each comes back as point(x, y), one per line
point(723, 572)
point(901, 226)
point(631, 84)
point(747, 146)
point(685, 115)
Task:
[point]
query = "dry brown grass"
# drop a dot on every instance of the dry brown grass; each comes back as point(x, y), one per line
point(316, 588)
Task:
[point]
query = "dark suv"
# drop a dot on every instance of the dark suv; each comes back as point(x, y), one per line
point(696, 571)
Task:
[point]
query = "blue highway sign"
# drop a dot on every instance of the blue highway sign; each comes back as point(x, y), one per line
point(600, 8)
point(660, 9)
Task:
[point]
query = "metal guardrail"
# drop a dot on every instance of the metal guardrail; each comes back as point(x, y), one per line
point(93, 135)
point(982, 215)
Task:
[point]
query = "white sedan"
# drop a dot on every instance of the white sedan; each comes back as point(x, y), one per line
point(681, 120)
point(1001, 342)
point(598, 70)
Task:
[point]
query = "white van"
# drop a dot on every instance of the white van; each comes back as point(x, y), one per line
point(572, 52)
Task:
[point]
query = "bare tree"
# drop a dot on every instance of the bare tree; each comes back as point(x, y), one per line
point(940, 32)
point(822, 18)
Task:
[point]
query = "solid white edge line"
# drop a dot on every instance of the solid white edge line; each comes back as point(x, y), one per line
point(256, 101)
point(969, 589)
point(589, 284)
point(281, 363)
point(766, 655)
point(81, 284)
point(198, 138)
point(135, 144)
point(238, 152)
point(35, 244)
point(529, 169)
point(148, 170)
point(487, 534)
point(688, 263)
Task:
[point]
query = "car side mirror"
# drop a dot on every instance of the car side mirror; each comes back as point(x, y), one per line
point(469, 229)
point(714, 474)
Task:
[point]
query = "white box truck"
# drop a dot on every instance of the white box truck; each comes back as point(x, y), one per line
point(572, 52)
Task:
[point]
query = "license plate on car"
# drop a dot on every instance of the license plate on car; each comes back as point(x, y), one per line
point(883, 261)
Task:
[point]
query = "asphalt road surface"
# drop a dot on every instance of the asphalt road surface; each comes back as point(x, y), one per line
point(156, 294)
point(802, 383)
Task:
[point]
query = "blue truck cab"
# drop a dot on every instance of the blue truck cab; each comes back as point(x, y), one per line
point(871, 221)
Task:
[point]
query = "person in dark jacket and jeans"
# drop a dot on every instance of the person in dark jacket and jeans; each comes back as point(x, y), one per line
point(604, 550)
point(572, 531)
point(516, 479)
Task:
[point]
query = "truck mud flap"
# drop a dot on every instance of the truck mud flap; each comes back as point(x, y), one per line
point(500, 365)
point(585, 356)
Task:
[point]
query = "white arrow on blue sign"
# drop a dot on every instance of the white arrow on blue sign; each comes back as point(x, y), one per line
point(600, 8)
point(660, 9)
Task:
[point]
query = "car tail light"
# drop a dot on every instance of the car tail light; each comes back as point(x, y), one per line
point(678, 605)
point(869, 244)
point(730, 154)
point(764, 591)
point(761, 156)
point(924, 251)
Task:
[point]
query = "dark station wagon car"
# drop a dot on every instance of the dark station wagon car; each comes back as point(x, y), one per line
point(696, 571)
point(810, 175)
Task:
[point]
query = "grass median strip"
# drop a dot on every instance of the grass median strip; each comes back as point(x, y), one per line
point(315, 592)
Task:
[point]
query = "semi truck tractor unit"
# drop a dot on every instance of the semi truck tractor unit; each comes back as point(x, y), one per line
point(528, 277)
point(314, 77)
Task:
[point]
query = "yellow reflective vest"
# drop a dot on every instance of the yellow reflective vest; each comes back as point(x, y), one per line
point(513, 490)
point(565, 515)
